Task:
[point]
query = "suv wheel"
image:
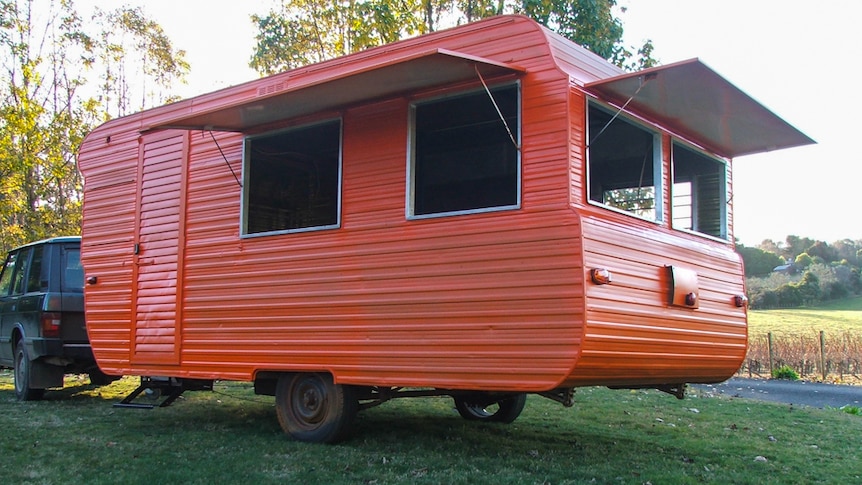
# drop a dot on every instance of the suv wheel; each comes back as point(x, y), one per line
point(23, 367)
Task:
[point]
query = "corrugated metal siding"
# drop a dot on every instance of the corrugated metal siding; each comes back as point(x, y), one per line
point(109, 160)
point(632, 335)
point(158, 273)
point(481, 301)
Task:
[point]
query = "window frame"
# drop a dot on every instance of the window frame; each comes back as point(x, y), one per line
point(657, 160)
point(724, 173)
point(246, 175)
point(410, 193)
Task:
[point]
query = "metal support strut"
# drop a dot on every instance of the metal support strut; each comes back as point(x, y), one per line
point(170, 388)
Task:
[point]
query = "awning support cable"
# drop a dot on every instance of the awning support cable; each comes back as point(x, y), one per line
point(643, 82)
point(225, 158)
point(499, 113)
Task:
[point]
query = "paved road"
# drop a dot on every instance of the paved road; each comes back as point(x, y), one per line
point(799, 393)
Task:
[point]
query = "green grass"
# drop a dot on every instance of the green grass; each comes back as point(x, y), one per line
point(232, 436)
point(834, 318)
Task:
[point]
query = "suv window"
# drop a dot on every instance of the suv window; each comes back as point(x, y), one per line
point(19, 276)
point(36, 281)
point(73, 272)
point(6, 277)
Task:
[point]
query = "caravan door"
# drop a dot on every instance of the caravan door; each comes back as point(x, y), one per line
point(158, 249)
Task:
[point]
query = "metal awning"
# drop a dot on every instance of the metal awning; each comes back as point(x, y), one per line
point(691, 99)
point(306, 91)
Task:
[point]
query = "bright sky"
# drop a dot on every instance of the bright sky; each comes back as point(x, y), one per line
point(788, 54)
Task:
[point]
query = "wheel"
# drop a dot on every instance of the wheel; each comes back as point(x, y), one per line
point(312, 408)
point(23, 367)
point(477, 407)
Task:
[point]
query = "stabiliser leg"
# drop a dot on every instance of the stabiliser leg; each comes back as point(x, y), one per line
point(168, 387)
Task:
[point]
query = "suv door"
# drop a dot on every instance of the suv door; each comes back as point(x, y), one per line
point(73, 332)
point(7, 307)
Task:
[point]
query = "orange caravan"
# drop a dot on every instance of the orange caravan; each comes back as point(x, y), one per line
point(481, 212)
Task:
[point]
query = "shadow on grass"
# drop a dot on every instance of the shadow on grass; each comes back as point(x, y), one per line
point(75, 388)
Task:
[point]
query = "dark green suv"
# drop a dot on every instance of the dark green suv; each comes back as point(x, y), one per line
point(42, 330)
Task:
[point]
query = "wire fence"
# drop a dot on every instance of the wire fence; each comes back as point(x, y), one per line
point(828, 357)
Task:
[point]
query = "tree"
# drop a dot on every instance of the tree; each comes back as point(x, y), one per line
point(770, 246)
point(809, 288)
point(757, 261)
point(41, 188)
point(795, 246)
point(822, 250)
point(848, 249)
point(803, 260)
point(591, 24)
point(307, 31)
point(135, 59)
point(49, 103)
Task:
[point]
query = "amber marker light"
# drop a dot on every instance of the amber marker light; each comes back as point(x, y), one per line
point(600, 276)
point(691, 299)
point(740, 301)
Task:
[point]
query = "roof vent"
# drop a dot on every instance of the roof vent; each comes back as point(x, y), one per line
point(272, 88)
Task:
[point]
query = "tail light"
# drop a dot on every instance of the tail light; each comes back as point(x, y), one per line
point(51, 324)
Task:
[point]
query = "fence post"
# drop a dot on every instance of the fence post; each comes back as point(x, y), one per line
point(769, 338)
point(823, 353)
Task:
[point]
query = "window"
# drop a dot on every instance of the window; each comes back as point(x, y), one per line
point(292, 179)
point(463, 157)
point(699, 192)
point(73, 272)
point(624, 165)
point(6, 277)
point(36, 281)
point(19, 278)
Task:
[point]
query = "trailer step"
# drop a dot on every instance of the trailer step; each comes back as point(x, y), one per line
point(155, 388)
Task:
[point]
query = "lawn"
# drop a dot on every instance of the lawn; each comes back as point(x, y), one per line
point(630, 437)
point(836, 318)
point(232, 436)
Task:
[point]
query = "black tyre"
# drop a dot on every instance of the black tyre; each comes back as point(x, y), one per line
point(478, 408)
point(312, 408)
point(23, 367)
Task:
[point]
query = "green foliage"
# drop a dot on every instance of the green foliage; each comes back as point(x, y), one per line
point(803, 260)
point(854, 410)
point(133, 49)
point(48, 57)
point(818, 284)
point(757, 261)
point(825, 272)
point(302, 32)
point(823, 251)
point(795, 245)
point(308, 31)
point(785, 372)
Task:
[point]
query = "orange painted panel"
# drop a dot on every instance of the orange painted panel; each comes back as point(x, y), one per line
point(486, 301)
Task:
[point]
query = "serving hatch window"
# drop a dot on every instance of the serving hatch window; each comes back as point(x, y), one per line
point(292, 180)
point(699, 192)
point(624, 164)
point(463, 157)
